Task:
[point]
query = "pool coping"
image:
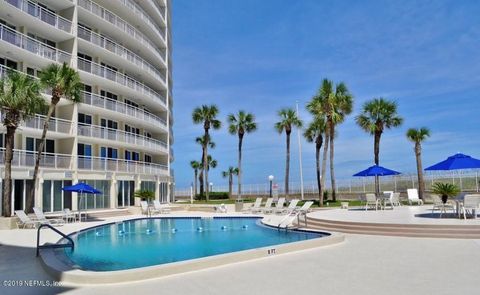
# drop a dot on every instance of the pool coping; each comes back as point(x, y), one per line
point(64, 272)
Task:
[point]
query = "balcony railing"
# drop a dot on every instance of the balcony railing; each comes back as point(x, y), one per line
point(121, 24)
point(119, 50)
point(119, 165)
point(123, 108)
point(37, 122)
point(42, 14)
point(22, 158)
point(144, 16)
point(104, 72)
point(160, 9)
point(120, 136)
point(34, 46)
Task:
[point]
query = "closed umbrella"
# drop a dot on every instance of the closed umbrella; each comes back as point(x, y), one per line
point(81, 188)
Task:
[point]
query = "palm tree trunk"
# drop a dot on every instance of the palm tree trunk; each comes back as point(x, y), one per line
point(230, 185)
point(324, 162)
point(195, 183)
point(376, 151)
point(202, 184)
point(7, 182)
point(421, 183)
point(332, 171)
point(31, 194)
point(317, 161)
point(205, 164)
point(287, 165)
point(240, 141)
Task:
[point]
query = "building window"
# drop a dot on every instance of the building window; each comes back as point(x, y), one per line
point(32, 145)
point(109, 123)
point(108, 152)
point(8, 63)
point(148, 158)
point(131, 129)
point(84, 118)
point(108, 95)
point(131, 103)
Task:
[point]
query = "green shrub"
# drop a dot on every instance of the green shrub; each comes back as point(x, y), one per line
point(213, 196)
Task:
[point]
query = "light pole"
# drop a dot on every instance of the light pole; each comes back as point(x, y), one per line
point(270, 178)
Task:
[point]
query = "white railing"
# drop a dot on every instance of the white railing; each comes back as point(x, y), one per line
point(104, 72)
point(119, 50)
point(42, 14)
point(22, 158)
point(119, 165)
point(466, 181)
point(144, 16)
point(121, 24)
point(34, 46)
point(120, 136)
point(160, 9)
point(120, 107)
point(55, 125)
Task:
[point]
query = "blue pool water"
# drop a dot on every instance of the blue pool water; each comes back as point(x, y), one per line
point(145, 242)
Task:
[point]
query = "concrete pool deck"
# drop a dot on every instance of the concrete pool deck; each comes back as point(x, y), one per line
point(360, 265)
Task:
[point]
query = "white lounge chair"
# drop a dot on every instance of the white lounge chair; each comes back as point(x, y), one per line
point(144, 207)
point(278, 206)
point(413, 196)
point(255, 206)
point(288, 220)
point(42, 219)
point(268, 205)
point(161, 208)
point(396, 199)
point(68, 215)
point(222, 208)
point(291, 207)
point(371, 200)
point(472, 203)
point(25, 221)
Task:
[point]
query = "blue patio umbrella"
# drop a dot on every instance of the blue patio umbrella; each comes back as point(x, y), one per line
point(376, 170)
point(456, 162)
point(81, 188)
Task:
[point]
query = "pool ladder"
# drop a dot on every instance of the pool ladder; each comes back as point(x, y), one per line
point(71, 244)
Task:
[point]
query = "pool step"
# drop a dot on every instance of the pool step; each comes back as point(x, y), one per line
point(107, 213)
point(405, 230)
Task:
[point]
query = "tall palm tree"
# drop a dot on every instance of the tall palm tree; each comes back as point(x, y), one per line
point(64, 82)
point(206, 115)
point(229, 174)
point(335, 102)
point(195, 166)
point(204, 141)
point(288, 120)
point(377, 115)
point(314, 133)
point(240, 124)
point(418, 136)
point(20, 99)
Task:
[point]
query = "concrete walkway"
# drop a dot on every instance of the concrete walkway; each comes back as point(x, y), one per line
point(360, 265)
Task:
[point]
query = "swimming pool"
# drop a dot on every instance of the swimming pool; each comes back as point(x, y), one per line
point(155, 241)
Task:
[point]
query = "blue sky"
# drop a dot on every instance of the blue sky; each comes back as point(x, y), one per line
point(261, 56)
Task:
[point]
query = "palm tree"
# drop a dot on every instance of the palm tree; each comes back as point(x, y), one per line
point(335, 103)
point(240, 124)
point(63, 81)
point(207, 115)
point(377, 115)
point(195, 166)
point(288, 120)
point(203, 141)
point(20, 99)
point(229, 174)
point(314, 133)
point(417, 136)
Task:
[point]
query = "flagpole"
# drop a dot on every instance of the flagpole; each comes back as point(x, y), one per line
point(300, 154)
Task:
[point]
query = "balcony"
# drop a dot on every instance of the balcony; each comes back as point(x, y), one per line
point(119, 50)
point(122, 108)
point(55, 125)
point(33, 46)
point(120, 24)
point(120, 165)
point(104, 72)
point(140, 13)
point(42, 14)
point(22, 158)
point(120, 136)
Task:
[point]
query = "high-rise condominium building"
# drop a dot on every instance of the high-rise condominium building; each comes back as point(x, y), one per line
point(119, 138)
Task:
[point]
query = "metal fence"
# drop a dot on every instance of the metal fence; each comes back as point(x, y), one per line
point(466, 181)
